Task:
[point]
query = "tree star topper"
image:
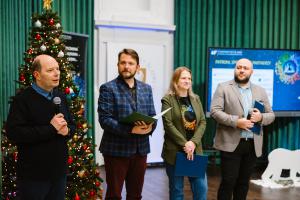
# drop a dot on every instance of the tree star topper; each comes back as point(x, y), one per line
point(47, 4)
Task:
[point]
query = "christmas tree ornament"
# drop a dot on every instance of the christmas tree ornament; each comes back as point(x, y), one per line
point(22, 78)
point(37, 36)
point(81, 173)
point(29, 60)
point(60, 54)
point(75, 137)
point(92, 193)
point(58, 25)
point(70, 160)
point(15, 156)
point(67, 90)
point(47, 4)
point(37, 24)
point(97, 183)
point(84, 147)
point(76, 197)
point(43, 48)
point(56, 41)
point(71, 91)
point(51, 21)
point(79, 125)
point(90, 156)
point(29, 51)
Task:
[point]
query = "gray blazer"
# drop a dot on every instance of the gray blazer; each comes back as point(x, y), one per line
point(227, 108)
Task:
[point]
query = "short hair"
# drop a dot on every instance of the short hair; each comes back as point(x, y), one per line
point(130, 52)
point(36, 65)
point(173, 88)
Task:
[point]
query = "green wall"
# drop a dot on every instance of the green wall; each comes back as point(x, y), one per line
point(239, 24)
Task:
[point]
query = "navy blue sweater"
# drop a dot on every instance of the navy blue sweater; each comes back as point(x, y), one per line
point(42, 152)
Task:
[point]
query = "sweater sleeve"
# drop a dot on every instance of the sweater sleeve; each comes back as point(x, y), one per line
point(20, 130)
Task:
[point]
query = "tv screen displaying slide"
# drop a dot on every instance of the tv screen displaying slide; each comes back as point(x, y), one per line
point(276, 70)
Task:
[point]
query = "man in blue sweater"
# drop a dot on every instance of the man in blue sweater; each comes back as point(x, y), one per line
point(41, 132)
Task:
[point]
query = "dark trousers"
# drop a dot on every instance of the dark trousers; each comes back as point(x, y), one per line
point(42, 190)
point(129, 169)
point(236, 169)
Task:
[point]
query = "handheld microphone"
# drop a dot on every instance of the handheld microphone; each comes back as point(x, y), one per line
point(57, 101)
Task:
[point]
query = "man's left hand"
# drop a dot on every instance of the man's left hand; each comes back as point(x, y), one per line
point(256, 115)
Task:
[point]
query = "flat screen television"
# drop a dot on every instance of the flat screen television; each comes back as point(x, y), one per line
point(276, 70)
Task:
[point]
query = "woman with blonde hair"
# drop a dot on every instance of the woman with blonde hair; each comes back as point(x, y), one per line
point(184, 127)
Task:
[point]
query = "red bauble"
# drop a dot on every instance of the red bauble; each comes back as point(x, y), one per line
point(97, 183)
point(15, 156)
point(77, 197)
point(70, 160)
point(92, 193)
point(84, 147)
point(22, 78)
point(51, 21)
point(37, 36)
point(79, 125)
point(29, 51)
point(29, 60)
point(67, 90)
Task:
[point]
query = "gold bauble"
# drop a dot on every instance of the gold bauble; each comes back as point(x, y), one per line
point(81, 173)
point(75, 137)
point(56, 41)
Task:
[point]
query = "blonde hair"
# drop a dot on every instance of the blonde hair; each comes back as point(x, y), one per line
point(173, 88)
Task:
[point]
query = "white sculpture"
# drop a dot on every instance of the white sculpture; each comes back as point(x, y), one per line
point(282, 159)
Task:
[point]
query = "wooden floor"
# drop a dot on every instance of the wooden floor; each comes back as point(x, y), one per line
point(156, 187)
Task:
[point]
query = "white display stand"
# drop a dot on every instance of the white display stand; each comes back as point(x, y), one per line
point(281, 159)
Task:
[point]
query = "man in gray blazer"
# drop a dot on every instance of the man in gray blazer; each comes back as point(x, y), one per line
point(231, 104)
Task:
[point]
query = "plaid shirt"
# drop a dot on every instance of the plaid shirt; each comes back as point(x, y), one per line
point(115, 102)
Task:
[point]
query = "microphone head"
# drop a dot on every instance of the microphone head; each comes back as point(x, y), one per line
point(56, 100)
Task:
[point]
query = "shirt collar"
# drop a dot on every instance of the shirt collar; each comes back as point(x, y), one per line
point(42, 92)
point(124, 82)
point(247, 86)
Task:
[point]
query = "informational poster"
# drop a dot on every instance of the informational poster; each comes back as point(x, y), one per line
point(152, 65)
point(276, 70)
point(76, 50)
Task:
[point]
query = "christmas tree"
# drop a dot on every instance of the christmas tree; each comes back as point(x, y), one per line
point(84, 180)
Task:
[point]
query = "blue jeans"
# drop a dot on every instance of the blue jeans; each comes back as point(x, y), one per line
point(198, 185)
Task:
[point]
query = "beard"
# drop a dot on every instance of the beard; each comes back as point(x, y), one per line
point(242, 81)
point(127, 75)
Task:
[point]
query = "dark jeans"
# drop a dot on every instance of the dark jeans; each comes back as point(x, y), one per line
point(236, 169)
point(42, 190)
point(129, 169)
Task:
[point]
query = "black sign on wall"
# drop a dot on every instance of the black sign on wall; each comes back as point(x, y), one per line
point(76, 50)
